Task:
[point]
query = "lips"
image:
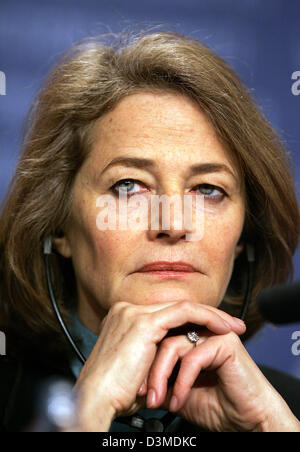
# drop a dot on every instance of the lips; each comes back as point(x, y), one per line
point(165, 266)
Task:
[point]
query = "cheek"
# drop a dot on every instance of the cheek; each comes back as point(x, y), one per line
point(94, 247)
point(221, 235)
point(114, 247)
point(219, 243)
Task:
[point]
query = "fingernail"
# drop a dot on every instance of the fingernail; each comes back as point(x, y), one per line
point(142, 388)
point(173, 403)
point(151, 398)
point(239, 321)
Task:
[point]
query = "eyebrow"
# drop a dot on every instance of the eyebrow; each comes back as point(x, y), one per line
point(143, 163)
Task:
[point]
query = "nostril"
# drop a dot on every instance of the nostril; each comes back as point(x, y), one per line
point(161, 234)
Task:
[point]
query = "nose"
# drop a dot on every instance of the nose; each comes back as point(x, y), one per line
point(169, 218)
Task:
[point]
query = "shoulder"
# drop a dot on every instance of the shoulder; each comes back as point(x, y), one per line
point(286, 385)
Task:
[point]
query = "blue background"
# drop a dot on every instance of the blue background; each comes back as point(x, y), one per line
point(260, 39)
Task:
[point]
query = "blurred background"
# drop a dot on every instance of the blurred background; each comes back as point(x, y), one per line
point(259, 39)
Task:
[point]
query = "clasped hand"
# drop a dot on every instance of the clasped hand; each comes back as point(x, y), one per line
point(218, 385)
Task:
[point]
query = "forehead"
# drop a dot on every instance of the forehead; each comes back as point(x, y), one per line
point(167, 127)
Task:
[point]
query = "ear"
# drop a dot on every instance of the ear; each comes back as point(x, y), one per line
point(62, 244)
point(238, 249)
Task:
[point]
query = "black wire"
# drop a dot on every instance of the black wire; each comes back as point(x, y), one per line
point(250, 252)
point(248, 290)
point(56, 310)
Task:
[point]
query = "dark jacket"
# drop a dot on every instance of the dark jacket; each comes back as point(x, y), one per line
point(21, 380)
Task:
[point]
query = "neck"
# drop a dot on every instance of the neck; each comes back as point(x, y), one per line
point(90, 313)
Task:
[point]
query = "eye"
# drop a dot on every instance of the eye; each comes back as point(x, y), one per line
point(211, 192)
point(126, 186)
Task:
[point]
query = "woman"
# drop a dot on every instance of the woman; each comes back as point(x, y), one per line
point(158, 115)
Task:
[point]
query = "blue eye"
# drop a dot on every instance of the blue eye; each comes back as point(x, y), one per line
point(127, 183)
point(211, 192)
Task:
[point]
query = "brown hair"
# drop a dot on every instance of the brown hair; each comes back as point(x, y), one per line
point(88, 81)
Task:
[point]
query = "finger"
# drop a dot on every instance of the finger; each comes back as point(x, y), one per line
point(231, 323)
point(187, 312)
point(237, 325)
point(209, 354)
point(170, 350)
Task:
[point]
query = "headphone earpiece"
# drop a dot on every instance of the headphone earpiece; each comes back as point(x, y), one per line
point(250, 251)
point(48, 245)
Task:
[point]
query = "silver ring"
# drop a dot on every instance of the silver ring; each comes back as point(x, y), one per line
point(193, 337)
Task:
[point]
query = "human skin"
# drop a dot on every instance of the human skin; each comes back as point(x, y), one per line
point(173, 132)
point(132, 312)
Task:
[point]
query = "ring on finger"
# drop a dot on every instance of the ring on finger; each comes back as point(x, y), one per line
point(193, 337)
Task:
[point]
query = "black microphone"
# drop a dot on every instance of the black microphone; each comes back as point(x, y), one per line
point(280, 304)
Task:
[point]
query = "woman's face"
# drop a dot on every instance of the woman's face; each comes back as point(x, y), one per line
point(174, 135)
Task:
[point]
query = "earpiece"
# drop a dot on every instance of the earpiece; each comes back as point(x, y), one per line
point(250, 252)
point(48, 245)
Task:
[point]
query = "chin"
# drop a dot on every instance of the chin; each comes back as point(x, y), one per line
point(156, 296)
